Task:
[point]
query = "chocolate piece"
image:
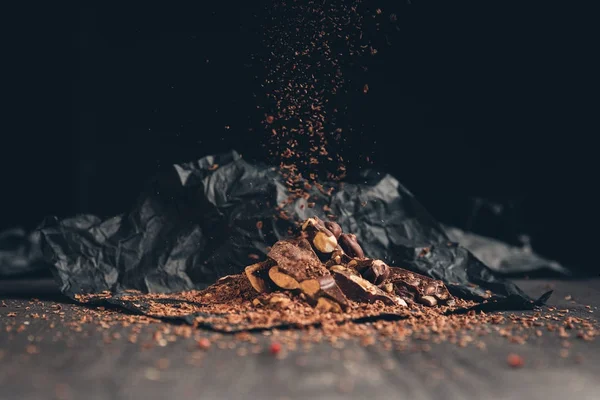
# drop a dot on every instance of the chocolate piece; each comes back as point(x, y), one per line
point(282, 279)
point(324, 286)
point(296, 258)
point(350, 245)
point(338, 257)
point(334, 228)
point(359, 289)
point(294, 261)
point(321, 238)
point(258, 275)
point(375, 271)
point(419, 288)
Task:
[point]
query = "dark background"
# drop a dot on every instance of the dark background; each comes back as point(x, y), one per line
point(469, 102)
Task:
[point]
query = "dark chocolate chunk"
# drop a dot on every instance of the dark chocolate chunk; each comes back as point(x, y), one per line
point(350, 245)
point(358, 289)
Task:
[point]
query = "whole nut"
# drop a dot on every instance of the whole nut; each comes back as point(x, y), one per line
point(428, 301)
point(377, 272)
point(350, 245)
point(335, 228)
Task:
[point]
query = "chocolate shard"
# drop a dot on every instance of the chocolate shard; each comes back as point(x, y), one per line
point(258, 275)
point(350, 245)
point(294, 261)
point(375, 271)
point(321, 238)
point(338, 257)
point(324, 286)
point(358, 289)
point(419, 288)
point(296, 258)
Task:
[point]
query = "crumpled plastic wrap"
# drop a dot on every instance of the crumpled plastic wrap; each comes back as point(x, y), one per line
point(200, 222)
point(503, 258)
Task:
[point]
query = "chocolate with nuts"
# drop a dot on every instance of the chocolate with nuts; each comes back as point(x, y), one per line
point(350, 245)
point(361, 290)
point(321, 238)
point(375, 271)
point(324, 286)
point(419, 288)
point(338, 257)
point(258, 275)
point(294, 261)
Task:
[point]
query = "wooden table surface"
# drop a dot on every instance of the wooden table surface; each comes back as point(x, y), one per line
point(61, 363)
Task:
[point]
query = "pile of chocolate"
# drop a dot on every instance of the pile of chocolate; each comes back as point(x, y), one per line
point(327, 269)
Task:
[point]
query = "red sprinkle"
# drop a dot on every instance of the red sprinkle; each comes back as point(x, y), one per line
point(204, 343)
point(515, 360)
point(275, 348)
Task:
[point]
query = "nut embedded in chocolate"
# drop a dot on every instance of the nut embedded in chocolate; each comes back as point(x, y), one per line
point(375, 271)
point(324, 286)
point(322, 239)
point(359, 289)
point(258, 275)
point(419, 288)
point(292, 262)
point(297, 259)
point(282, 279)
point(338, 257)
point(334, 228)
point(350, 245)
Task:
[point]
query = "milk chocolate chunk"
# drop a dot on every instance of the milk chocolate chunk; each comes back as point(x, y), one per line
point(359, 289)
point(350, 245)
point(321, 238)
point(419, 288)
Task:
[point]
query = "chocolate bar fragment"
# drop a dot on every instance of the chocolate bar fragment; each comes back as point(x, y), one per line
point(350, 245)
point(338, 257)
point(419, 288)
point(294, 261)
point(375, 271)
point(361, 290)
point(324, 287)
point(258, 275)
